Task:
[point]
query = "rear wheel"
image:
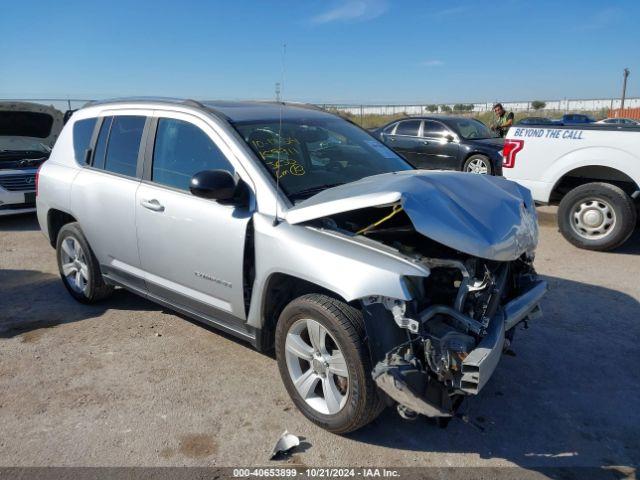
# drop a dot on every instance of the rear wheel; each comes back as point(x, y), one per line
point(478, 164)
point(597, 216)
point(78, 266)
point(324, 363)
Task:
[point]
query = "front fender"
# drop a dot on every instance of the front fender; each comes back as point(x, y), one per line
point(351, 268)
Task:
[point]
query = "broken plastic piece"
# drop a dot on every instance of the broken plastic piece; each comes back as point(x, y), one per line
point(286, 442)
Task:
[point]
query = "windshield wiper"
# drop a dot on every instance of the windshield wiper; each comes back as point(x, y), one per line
point(22, 152)
point(308, 192)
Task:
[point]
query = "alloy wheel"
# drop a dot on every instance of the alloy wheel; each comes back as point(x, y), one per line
point(74, 265)
point(317, 366)
point(479, 166)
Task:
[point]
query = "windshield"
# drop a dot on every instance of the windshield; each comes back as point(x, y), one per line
point(309, 156)
point(471, 129)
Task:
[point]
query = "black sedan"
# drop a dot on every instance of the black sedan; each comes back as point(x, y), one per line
point(449, 143)
point(537, 121)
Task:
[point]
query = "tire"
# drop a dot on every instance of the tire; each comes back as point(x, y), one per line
point(478, 164)
point(597, 216)
point(83, 279)
point(358, 402)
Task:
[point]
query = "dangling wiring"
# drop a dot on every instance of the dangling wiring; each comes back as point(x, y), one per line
point(365, 230)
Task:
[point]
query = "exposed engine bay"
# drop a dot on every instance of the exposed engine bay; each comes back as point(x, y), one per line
point(430, 352)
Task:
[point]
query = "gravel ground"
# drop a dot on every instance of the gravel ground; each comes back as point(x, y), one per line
point(129, 383)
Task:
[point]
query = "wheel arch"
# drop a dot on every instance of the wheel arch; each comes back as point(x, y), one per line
point(279, 290)
point(56, 219)
point(589, 174)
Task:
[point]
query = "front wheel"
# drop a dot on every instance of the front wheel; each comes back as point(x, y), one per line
point(597, 216)
point(478, 164)
point(324, 363)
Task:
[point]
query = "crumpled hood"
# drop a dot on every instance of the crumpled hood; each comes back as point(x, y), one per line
point(484, 216)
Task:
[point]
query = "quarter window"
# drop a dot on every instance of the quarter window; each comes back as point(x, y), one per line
point(408, 127)
point(182, 150)
point(124, 145)
point(390, 128)
point(82, 132)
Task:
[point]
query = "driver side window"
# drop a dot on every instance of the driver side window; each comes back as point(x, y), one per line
point(181, 149)
point(433, 129)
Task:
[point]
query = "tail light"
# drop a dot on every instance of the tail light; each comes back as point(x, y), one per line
point(38, 177)
point(509, 152)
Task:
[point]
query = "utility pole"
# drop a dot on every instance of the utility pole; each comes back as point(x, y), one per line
point(624, 87)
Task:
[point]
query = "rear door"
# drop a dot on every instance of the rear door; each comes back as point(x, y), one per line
point(104, 192)
point(191, 248)
point(405, 140)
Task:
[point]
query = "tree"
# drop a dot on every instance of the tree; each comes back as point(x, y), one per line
point(538, 104)
point(432, 108)
point(445, 108)
point(459, 107)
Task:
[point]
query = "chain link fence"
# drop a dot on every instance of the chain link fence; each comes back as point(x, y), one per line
point(370, 115)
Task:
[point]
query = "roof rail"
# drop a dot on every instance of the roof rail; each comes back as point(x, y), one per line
point(194, 103)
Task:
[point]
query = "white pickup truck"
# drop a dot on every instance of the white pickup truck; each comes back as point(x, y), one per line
point(592, 172)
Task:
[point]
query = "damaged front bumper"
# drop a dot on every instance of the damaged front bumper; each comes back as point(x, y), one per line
point(479, 365)
point(403, 376)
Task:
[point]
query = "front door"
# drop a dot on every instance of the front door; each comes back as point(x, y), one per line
point(437, 147)
point(191, 248)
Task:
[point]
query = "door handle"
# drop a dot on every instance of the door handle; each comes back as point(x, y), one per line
point(152, 204)
point(425, 142)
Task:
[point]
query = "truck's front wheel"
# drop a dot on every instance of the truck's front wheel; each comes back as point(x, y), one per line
point(597, 216)
point(324, 363)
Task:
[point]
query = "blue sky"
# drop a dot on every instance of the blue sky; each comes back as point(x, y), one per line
point(337, 50)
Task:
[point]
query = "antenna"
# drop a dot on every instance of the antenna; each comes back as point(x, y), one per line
point(280, 90)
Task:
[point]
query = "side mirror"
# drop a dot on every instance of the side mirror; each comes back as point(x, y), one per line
point(216, 185)
point(450, 138)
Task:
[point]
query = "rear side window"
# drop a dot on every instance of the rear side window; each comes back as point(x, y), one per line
point(409, 127)
point(82, 132)
point(181, 150)
point(124, 144)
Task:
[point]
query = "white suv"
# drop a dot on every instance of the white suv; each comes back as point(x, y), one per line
point(292, 228)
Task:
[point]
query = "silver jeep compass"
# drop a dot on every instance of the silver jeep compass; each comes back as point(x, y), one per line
point(377, 284)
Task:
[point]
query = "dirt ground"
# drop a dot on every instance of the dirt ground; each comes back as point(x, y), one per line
point(128, 383)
